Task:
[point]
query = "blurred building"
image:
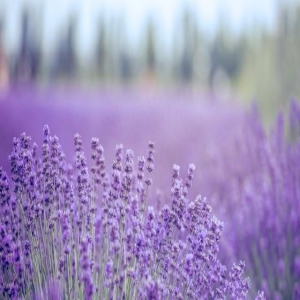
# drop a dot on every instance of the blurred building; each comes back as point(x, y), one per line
point(4, 65)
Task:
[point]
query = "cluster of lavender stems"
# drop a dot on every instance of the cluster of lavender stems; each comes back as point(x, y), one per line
point(70, 232)
point(264, 190)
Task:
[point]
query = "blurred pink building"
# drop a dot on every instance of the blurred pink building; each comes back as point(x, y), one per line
point(4, 70)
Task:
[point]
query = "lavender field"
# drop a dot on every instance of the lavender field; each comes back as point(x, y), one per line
point(208, 209)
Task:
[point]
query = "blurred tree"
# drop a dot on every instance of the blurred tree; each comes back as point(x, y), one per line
point(125, 66)
point(102, 48)
point(287, 49)
point(258, 76)
point(148, 59)
point(27, 63)
point(124, 59)
point(150, 47)
point(65, 60)
point(225, 54)
point(188, 45)
point(271, 69)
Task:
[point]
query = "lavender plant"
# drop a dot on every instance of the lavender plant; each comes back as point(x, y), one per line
point(266, 190)
point(68, 232)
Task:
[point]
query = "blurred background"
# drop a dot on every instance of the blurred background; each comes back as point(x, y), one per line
point(245, 50)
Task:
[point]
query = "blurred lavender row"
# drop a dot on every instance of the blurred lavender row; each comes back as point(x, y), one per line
point(183, 130)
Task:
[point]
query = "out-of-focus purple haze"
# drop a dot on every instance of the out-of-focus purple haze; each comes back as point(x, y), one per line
point(183, 128)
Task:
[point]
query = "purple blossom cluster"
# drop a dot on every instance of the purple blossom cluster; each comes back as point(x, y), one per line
point(70, 232)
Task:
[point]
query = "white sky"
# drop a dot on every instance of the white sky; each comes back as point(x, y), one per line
point(238, 14)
